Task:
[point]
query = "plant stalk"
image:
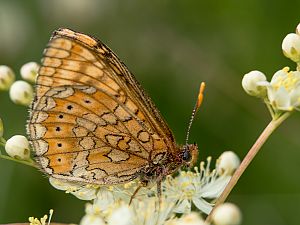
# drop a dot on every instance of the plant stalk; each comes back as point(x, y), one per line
point(247, 160)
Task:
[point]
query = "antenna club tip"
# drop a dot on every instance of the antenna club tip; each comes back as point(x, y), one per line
point(202, 87)
point(200, 95)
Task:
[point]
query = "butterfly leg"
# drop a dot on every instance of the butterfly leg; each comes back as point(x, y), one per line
point(134, 193)
point(142, 184)
point(159, 194)
point(159, 189)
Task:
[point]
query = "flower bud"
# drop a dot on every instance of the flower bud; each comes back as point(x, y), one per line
point(7, 77)
point(227, 214)
point(21, 93)
point(291, 47)
point(18, 147)
point(228, 162)
point(251, 84)
point(29, 71)
point(1, 128)
point(298, 29)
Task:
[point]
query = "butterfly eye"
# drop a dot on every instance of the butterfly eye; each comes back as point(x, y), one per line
point(186, 156)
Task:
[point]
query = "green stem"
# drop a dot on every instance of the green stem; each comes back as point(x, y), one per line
point(29, 162)
point(2, 141)
point(247, 160)
point(270, 108)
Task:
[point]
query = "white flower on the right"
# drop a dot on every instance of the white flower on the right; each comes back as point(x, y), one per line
point(291, 47)
point(284, 90)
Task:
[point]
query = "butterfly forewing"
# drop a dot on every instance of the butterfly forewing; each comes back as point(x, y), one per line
point(91, 121)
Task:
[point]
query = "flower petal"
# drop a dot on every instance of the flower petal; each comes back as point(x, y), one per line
point(202, 205)
point(214, 189)
point(295, 97)
point(86, 193)
point(282, 99)
point(184, 206)
point(64, 185)
point(279, 75)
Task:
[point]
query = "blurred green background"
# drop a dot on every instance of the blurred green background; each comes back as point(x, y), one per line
point(170, 46)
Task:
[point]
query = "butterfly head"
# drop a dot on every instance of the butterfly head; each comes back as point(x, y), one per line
point(189, 154)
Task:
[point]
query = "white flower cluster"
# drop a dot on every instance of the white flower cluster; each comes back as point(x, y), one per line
point(20, 92)
point(110, 204)
point(282, 93)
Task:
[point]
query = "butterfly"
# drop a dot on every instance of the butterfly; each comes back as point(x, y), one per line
point(92, 122)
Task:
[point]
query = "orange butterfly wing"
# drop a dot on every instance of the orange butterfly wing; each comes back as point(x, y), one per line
point(91, 121)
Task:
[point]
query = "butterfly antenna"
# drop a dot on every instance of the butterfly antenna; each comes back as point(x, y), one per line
point(195, 110)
